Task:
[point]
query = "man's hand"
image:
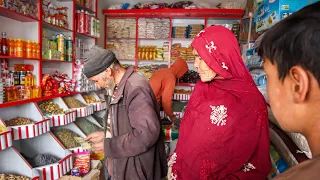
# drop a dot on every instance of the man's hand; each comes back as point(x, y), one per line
point(98, 147)
point(96, 137)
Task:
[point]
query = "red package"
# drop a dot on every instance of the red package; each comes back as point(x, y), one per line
point(82, 161)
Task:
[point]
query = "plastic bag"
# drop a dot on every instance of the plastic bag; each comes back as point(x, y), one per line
point(82, 161)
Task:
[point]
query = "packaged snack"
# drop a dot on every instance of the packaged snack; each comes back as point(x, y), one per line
point(82, 161)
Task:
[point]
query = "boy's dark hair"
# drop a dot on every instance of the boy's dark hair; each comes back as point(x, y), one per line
point(294, 41)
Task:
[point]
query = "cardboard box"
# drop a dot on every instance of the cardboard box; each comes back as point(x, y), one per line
point(47, 144)
point(61, 119)
point(12, 162)
point(269, 12)
point(31, 111)
point(74, 128)
point(5, 137)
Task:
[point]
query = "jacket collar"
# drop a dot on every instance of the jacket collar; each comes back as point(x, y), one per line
point(121, 86)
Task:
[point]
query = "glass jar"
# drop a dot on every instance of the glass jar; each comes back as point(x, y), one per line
point(16, 93)
point(8, 94)
point(27, 92)
point(36, 92)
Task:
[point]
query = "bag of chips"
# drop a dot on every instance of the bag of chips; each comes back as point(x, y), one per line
point(82, 161)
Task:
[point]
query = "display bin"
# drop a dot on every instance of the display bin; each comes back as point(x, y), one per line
point(74, 128)
point(31, 111)
point(47, 144)
point(5, 137)
point(94, 121)
point(181, 97)
point(12, 162)
point(61, 119)
point(97, 106)
point(84, 111)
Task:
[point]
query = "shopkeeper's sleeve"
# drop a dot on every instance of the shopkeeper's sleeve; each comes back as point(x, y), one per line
point(145, 127)
point(167, 97)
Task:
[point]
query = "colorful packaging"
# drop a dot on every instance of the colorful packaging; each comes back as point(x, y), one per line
point(82, 161)
point(269, 12)
point(278, 163)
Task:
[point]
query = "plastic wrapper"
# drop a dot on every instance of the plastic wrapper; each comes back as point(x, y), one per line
point(82, 161)
point(181, 4)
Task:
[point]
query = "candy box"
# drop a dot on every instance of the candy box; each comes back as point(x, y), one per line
point(50, 145)
point(269, 12)
point(41, 124)
point(12, 162)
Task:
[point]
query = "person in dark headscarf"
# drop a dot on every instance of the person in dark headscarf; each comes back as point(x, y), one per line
point(224, 133)
point(134, 142)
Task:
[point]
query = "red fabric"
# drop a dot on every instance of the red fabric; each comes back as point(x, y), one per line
point(214, 150)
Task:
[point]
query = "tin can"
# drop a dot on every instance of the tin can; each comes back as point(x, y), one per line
point(23, 77)
point(78, 21)
point(69, 49)
point(86, 23)
point(16, 78)
point(75, 172)
point(81, 22)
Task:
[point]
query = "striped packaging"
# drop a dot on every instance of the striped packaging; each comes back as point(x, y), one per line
point(99, 106)
point(30, 131)
point(181, 97)
point(63, 119)
point(57, 170)
point(85, 111)
point(77, 150)
point(6, 139)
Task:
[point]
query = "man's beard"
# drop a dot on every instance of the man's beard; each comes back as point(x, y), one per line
point(110, 86)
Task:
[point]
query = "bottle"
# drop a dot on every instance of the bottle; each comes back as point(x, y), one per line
point(19, 48)
point(61, 46)
point(93, 26)
point(98, 27)
point(27, 92)
point(38, 50)
point(53, 37)
point(34, 49)
point(81, 22)
point(69, 49)
point(4, 45)
point(11, 47)
point(29, 52)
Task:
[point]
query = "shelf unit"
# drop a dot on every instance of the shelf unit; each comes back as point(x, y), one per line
point(36, 138)
point(207, 17)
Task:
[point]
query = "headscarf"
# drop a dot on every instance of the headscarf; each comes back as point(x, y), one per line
point(179, 67)
point(224, 133)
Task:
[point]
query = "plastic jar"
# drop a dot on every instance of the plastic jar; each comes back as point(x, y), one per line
point(19, 48)
point(36, 92)
point(29, 49)
point(27, 92)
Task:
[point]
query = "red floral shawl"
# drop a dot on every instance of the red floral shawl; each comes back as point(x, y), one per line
point(224, 133)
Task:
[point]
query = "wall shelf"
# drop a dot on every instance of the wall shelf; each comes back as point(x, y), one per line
point(55, 27)
point(16, 16)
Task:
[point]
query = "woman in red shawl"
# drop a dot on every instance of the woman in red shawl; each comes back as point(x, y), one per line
point(224, 133)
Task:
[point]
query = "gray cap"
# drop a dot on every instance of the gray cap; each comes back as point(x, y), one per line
point(96, 60)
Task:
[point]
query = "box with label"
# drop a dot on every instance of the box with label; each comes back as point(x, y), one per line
point(269, 12)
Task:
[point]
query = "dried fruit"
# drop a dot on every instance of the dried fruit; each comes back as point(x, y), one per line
point(12, 176)
point(50, 108)
point(73, 103)
point(18, 121)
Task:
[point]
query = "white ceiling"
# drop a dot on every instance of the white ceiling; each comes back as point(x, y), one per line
point(211, 2)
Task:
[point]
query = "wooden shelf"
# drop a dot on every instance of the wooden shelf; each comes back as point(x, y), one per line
point(55, 27)
point(16, 103)
point(18, 58)
point(16, 15)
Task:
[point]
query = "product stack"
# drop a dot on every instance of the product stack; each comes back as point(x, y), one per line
point(189, 31)
point(57, 47)
point(83, 84)
point(55, 15)
point(87, 23)
point(28, 8)
point(121, 28)
point(177, 51)
point(147, 70)
point(123, 49)
point(153, 28)
point(57, 84)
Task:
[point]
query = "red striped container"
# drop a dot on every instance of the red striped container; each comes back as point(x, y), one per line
point(85, 111)
point(99, 106)
point(30, 131)
point(5, 139)
point(63, 119)
point(13, 162)
point(181, 97)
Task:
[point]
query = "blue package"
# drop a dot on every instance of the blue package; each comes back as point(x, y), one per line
point(269, 12)
point(125, 6)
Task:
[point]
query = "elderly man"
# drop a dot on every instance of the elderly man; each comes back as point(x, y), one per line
point(133, 143)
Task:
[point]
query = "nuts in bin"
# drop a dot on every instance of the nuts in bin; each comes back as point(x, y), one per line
point(18, 121)
point(12, 176)
point(49, 107)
